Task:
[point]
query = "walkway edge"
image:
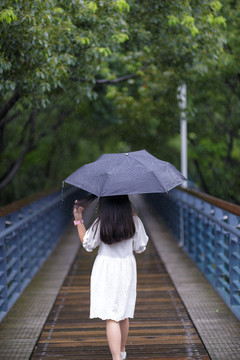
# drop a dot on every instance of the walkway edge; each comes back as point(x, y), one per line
point(217, 326)
point(21, 327)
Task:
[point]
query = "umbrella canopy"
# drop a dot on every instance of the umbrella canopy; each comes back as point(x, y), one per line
point(136, 172)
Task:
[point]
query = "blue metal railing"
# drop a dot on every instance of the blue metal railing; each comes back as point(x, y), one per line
point(27, 237)
point(210, 235)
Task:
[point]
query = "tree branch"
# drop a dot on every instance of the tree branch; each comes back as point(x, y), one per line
point(14, 167)
point(228, 158)
point(203, 182)
point(7, 121)
point(57, 125)
point(2, 128)
point(107, 81)
point(200, 173)
point(115, 81)
point(111, 81)
point(9, 104)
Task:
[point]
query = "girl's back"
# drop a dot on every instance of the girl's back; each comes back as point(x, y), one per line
point(118, 233)
point(120, 249)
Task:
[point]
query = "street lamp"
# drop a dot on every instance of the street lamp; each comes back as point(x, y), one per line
point(182, 97)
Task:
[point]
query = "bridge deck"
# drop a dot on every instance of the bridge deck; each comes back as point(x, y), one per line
point(162, 328)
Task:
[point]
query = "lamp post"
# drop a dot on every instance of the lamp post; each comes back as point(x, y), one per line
point(182, 97)
point(182, 89)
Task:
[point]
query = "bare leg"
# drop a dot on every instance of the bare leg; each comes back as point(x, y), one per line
point(114, 338)
point(124, 326)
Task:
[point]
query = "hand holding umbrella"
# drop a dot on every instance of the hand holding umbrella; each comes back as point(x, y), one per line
point(77, 212)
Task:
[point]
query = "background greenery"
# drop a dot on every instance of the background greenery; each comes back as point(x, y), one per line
point(79, 78)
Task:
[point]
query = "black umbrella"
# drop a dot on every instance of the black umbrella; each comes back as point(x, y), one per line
point(136, 172)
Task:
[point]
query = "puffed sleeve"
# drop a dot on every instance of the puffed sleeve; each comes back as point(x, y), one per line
point(140, 238)
point(92, 237)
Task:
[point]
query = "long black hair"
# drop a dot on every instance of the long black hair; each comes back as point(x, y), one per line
point(115, 219)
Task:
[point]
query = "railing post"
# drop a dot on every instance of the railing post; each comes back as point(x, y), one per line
point(209, 266)
point(3, 278)
point(182, 238)
point(234, 255)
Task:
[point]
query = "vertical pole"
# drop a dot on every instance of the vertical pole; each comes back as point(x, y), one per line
point(182, 89)
point(183, 105)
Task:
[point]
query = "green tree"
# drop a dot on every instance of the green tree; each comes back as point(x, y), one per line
point(214, 121)
point(82, 77)
point(47, 48)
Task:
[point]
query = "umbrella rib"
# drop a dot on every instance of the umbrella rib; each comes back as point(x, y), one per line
point(158, 181)
point(152, 173)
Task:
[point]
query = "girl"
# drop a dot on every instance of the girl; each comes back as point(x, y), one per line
point(117, 232)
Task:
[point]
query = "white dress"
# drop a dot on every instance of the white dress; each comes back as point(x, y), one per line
point(114, 278)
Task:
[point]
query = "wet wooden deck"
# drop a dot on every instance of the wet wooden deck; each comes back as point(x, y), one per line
point(161, 329)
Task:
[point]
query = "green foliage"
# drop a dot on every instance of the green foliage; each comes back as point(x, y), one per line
point(121, 5)
point(50, 41)
point(120, 37)
point(214, 110)
point(80, 78)
point(7, 15)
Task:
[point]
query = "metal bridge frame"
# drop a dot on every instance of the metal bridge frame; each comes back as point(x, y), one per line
point(27, 237)
point(209, 231)
point(206, 227)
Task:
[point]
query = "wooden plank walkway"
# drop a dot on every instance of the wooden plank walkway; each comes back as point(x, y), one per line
point(160, 330)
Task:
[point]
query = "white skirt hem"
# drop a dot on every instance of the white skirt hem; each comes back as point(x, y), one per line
point(111, 318)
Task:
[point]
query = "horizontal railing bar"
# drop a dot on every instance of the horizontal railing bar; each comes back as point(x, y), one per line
point(14, 227)
point(5, 210)
point(225, 205)
point(214, 220)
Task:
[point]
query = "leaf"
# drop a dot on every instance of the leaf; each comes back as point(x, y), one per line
point(122, 5)
point(146, 49)
point(172, 20)
point(194, 30)
point(220, 20)
point(58, 10)
point(216, 5)
point(8, 16)
point(189, 23)
point(104, 51)
point(12, 86)
point(120, 37)
point(92, 6)
point(83, 40)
